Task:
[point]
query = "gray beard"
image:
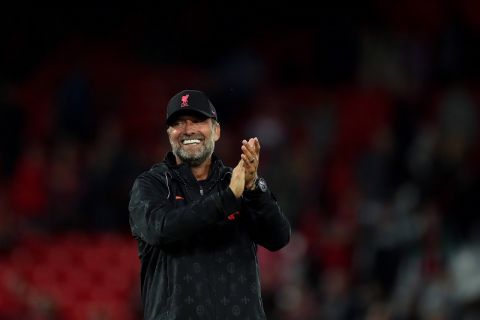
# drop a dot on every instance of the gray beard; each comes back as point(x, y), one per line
point(196, 159)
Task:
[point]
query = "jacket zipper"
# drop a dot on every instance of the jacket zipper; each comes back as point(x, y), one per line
point(200, 187)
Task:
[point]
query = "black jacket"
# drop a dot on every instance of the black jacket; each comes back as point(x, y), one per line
point(197, 243)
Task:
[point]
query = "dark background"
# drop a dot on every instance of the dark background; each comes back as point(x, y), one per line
point(367, 114)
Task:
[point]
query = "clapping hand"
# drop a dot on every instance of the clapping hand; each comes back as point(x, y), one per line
point(251, 157)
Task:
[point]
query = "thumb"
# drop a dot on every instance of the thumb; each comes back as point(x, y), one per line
point(238, 168)
point(241, 168)
point(240, 163)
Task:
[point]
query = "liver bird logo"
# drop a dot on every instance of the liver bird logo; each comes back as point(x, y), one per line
point(185, 101)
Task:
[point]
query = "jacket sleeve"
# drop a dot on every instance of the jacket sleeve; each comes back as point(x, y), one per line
point(267, 223)
point(155, 220)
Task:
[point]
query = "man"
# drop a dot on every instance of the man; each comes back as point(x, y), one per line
point(198, 223)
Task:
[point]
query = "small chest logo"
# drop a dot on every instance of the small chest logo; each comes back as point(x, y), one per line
point(185, 101)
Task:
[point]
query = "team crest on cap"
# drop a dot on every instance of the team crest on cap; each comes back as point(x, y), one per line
point(185, 101)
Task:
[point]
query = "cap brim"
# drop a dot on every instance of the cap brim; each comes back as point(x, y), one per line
point(181, 112)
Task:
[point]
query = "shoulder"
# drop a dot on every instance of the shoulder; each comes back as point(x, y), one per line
point(157, 175)
point(219, 166)
point(159, 169)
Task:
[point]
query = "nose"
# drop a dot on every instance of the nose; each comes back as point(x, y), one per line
point(190, 127)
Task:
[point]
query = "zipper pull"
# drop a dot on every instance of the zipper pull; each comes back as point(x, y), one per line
point(201, 191)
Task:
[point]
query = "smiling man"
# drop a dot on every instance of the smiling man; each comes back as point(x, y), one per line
point(198, 222)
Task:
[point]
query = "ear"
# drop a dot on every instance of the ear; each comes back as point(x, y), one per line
point(216, 132)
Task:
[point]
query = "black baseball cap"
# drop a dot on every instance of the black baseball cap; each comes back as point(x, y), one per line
point(190, 101)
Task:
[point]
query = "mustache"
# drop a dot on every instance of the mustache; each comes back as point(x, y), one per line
point(197, 136)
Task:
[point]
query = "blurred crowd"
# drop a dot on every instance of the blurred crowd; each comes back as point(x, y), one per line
point(367, 117)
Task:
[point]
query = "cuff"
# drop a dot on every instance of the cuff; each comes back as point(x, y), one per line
point(255, 194)
point(230, 204)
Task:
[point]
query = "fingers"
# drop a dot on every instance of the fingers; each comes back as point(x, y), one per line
point(250, 157)
point(247, 163)
point(257, 146)
point(248, 149)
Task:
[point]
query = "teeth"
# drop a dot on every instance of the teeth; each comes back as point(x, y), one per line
point(191, 141)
